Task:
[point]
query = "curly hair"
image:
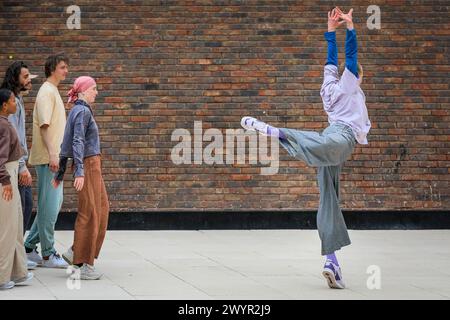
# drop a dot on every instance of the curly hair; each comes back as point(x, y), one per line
point(12, 74)
point(5, 95)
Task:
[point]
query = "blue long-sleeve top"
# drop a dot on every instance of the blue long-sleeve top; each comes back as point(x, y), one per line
point(332, 56)
point(351, 50)
point(17, 120)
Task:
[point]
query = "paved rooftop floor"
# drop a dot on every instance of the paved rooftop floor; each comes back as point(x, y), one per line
point(252, 264)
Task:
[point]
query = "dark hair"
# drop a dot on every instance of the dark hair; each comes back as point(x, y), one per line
point(52, 62)
point(12, 74)
point(5, 95)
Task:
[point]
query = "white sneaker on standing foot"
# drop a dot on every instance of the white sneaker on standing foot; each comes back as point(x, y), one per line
point(8, 285)
point(34, 257)
point(68, 256)
point(333, 275)
point(25, 279)
point(54, 261)
point(88, 272)
point(31, 265)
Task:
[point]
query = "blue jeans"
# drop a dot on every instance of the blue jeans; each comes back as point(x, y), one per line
point(49, 204)
point(26, 197)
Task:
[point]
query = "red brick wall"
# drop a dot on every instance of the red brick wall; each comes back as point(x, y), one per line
point(162, 65)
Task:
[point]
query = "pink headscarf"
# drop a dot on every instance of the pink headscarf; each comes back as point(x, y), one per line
point(81, 84)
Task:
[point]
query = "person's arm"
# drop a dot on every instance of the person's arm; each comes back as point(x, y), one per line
point(52, 153)
point(329, 90)
point(330, 36)
point(59, 176)
point(46, 137)
point(349, 80)
point(351, 45)
point(14, 120)
point(25, 178)
point(45, 104)
point(5, 178)
point(332, 51)
point(79, 138)
point(351, 52)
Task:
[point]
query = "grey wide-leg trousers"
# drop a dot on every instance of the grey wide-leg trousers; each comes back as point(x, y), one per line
point(328, 151)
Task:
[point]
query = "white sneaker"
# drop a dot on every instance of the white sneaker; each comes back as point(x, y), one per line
point(31, 265)
point(25, 279)
point(68, 256)
point(333, 275)
point(88, 272)
point(34, 257)
point(8, 285)
point(253, 124)
point(54, 261)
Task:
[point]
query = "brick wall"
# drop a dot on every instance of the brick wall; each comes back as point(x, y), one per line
point(162, 65)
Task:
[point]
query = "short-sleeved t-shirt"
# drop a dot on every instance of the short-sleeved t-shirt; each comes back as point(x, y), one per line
point(48, 109)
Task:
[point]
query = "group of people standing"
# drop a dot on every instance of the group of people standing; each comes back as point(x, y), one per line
point(55, 140)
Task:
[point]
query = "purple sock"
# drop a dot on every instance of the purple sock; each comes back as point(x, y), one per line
point(333, 258)
point(268, 129)
point(275, 132)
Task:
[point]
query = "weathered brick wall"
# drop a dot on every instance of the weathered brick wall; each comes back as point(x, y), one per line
point(162, 65)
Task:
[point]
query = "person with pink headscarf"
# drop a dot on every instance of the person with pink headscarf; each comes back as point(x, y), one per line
point(82, 144)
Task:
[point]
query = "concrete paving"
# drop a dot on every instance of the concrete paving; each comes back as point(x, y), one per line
point(252, 264)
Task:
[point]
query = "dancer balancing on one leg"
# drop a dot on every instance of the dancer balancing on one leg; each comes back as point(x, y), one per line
point(344, 103)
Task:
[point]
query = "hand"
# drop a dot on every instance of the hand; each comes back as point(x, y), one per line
point(333, 20)
point(25, 178)
point(78, 183)
point(7, 192)
point(347, 17)
point(56, 183)
point(54, 163)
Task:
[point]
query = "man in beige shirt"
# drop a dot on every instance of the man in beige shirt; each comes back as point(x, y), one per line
point(49, 121)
